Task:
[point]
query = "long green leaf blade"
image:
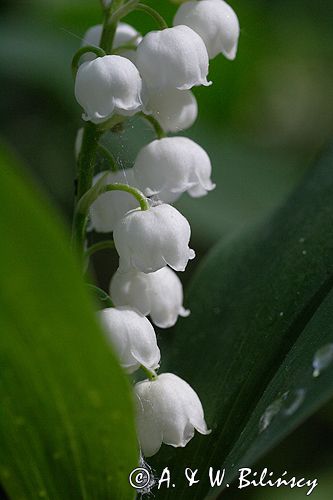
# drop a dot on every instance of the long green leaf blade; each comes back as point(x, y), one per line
point(66, 418)
point(257, 305)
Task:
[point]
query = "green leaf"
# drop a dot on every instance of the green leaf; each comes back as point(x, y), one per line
point(66, 420)
point(261, 308)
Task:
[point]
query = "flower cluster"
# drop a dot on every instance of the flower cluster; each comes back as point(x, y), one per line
point(153, 75)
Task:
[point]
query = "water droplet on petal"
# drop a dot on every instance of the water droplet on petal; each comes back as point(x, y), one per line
point(322, 359)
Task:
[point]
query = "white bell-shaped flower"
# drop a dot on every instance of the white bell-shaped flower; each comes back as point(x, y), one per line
point(174, 109)
point(125, 34)
point(110, 207)
point(168, 411)
point(148, 240)
point(159, 294)
point(170, 166)
point(215, 21)
point(132, 336)
point(174, 58)
point(108, 85)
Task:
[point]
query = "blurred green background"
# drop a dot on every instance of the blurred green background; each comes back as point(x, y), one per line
point(263, 121)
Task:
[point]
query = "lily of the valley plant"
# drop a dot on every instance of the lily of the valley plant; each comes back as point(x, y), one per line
point(120, 73)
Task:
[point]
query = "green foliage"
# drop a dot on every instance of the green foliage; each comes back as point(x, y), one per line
point(66, 420)
point(261, 308)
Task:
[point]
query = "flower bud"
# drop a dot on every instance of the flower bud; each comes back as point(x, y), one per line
point(132, 336)
point(168, 411)
point(125, 34)
point(170, 166)
point(175, 110)
point(215, 21)
point(159, 294)
point(148, 240)
point(110, 207)
point(174, 58)
point(108, 85)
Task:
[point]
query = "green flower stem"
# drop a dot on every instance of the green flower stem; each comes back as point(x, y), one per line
point(78, 232)
point(90, 196)
point(157, 127)
point(123, 10)
point(109, 156)
point(140, 197)
point(110, 26)
point(154, 14)
point(86, 165)
point(151, 374)
point(84, 50)
point(91, 136)
point(87, 156)
point(101, 245)
point(133, 5)
point(82, 207)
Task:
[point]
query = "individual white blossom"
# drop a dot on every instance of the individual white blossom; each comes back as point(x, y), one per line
point(215, 21)
point(159, 294)
point(174, 109)
point(110, 207)
point(132, 336)
point(125, 34)
point(174, 58)
point(148, 240)
point(108, 85)
point(168, 411)
point(170, 166)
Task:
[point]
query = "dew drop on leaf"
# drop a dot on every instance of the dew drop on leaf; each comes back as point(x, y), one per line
point(286, 405)
point(322, 359)
point(293, 401)
point(271, 411)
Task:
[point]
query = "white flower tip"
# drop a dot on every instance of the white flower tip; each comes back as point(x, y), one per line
point(207, 83)
point(188, 86)
point(184, 313)
point(231, 54)
point(203, 430)
point(191, 254)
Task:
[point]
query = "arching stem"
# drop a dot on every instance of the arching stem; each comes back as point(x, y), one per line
point(84, 50)
point(151, 374)
point(156, 126)
point(96, 247)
